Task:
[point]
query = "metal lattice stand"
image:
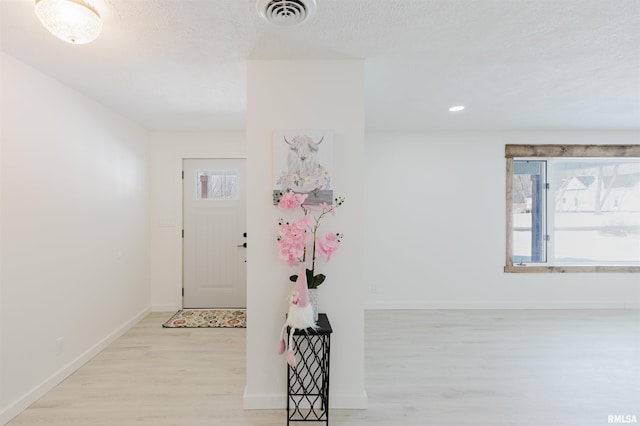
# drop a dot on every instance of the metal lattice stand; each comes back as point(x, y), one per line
point(308, 382)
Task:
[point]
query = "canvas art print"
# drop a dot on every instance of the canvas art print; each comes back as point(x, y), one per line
point(302, 163)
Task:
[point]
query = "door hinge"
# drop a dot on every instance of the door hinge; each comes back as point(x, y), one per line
point(547, 238)
point(183, 175)
point(183, 233)
point(546, 185)
point(182, 291)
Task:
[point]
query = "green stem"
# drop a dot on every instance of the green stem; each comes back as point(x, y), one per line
point(313, 259)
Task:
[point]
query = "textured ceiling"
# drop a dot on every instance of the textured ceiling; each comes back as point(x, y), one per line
point(516, 64)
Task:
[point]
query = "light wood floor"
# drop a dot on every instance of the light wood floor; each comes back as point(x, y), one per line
point(498, 368)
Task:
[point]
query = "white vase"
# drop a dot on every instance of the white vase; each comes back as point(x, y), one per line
point(313, 300)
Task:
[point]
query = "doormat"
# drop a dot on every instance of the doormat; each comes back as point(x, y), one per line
point(213, 318)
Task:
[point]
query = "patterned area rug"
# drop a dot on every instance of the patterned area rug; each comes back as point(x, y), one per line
point(217, 318)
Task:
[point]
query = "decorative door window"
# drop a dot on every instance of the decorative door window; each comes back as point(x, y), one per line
point(220, 184)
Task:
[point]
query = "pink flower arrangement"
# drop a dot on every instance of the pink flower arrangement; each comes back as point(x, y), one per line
point(294, 237)
point(327, 245)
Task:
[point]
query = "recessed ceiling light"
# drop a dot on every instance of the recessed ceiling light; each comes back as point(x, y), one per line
point(456, 108)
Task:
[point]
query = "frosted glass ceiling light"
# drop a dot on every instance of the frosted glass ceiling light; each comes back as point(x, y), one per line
point(73, 21)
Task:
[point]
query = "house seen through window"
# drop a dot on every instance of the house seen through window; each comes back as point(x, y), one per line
point(573, 212)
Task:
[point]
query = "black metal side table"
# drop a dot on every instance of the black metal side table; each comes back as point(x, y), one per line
point(308, 381)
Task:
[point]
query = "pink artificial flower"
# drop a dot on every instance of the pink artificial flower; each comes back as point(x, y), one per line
point(296, 231)
point(292, 260)
point(309, 209)
point(300, 230)
point(291, 200)
point(327, 245)
point(293, 239)
point(292, 253)
point(329, 209)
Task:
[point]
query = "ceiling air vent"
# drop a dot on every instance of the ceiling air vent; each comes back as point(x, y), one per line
point(286, 12)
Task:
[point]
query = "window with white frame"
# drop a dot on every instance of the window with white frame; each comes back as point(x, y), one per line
point(573, 208)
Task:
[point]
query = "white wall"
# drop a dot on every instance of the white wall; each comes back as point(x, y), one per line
point(75, 220)
point(304, 95)
point(167, 151)
point(435, 226)
point(74, 226)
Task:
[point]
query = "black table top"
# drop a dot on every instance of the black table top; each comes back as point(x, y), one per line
point(324, 327)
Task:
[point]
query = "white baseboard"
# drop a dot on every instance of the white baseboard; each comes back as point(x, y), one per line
point(165, 308)
point(38, 391)
point(349, 402)
point(279, 401)
point(403, 305)
point(264, 401)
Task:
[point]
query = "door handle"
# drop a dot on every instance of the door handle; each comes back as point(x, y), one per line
point(243, 245)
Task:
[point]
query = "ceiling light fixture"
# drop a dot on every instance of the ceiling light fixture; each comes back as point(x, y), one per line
point(456, 108)
point(286, 12)
point(73, 21)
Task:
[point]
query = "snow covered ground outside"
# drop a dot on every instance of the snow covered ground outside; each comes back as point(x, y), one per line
point(584, 237)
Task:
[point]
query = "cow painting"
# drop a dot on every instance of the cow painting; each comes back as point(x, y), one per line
point(305, 170)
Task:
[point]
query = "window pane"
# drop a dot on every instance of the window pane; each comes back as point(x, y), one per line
point(221, 184)
point(597, 210)
point(529, 201)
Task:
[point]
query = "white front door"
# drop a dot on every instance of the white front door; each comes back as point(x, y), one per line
point(214, 242)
